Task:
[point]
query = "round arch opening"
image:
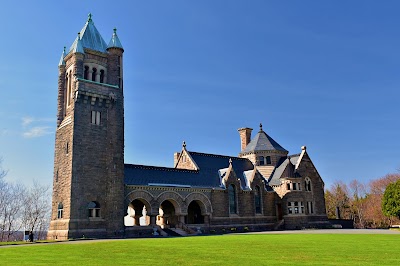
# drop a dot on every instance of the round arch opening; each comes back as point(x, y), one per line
point(195, 215)
point(137, 214)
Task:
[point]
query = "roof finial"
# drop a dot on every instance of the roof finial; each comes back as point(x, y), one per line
point(115, 30)
point(64, 50)
point(184, 144)
point(230, 161)
point(89, 17)
point(261, 127)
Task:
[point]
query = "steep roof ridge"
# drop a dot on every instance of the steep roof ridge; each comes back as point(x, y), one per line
point(263, 142)
point(91, 37)
point(115, 42)
point(162, 168)
point(217, 156)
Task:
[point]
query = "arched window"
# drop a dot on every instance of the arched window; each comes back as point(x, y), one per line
point(86, 72)
point(232, 199)
point(94, 73)
point(307, 184)
point(60, 210)
point(102, 76)
point(94, 209)
point(257, 199)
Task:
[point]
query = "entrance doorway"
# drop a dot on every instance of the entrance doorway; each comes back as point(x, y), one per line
point(167, 217)
point(194, 214)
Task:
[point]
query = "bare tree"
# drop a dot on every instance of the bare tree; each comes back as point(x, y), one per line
point(36, 213)
point(3, 172)
point(11, 222)
point(358, 203)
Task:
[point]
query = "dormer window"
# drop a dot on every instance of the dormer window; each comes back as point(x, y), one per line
point(268, 160)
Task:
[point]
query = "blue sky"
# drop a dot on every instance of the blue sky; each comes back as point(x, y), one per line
point(319, 73)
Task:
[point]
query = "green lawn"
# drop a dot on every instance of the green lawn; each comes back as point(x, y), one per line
point(296, 249)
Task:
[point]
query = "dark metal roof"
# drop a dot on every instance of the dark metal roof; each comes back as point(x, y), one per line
point(263, 142)
point(206, 176)
point(280, 169)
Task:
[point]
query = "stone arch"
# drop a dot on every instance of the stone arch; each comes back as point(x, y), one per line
point(146, 197)
point(175, 199)
point(206, 207)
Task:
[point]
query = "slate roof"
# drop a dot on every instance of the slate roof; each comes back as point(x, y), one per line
point(280, 169)
point(207, 176)
point(90, 38)
point(263, 142)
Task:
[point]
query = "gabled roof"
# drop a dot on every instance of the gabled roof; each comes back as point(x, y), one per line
point(90, 37)
point(207, 176)
point(263, 142)
point(282, 164)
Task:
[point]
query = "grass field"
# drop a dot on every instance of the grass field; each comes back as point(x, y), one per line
point(295, 249)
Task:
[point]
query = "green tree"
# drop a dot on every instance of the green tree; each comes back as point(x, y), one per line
point(391, 200)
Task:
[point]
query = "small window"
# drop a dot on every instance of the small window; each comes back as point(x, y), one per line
point(261, 160)
point(294, 186)
point(290, 208)
point(67, 148)
point(310, 207)
point(60, 210)
point(94, 74)
point(307, 184)
point(94, 209)
point(95, 120)
point(86, 72)
point(288, 186)
point(57, 176)
point(257, 199)
point(232, 199)
point(298, 186)
point(268, 159)
point(102, 76)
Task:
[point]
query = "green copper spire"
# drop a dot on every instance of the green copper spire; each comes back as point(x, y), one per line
point(62, 62)
point(115, 42)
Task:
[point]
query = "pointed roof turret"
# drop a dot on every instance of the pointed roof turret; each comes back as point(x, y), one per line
point(263, 142)
point(62, 61)
point(115, 42)
point(77, 46)
point(90, 37)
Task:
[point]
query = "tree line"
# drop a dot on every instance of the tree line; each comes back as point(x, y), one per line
point(23, 209)
point(362, 202)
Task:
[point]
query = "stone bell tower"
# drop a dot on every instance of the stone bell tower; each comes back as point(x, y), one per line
point(88, 185)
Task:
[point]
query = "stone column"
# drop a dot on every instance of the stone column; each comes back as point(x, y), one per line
point(136, 220)
point(153, 219)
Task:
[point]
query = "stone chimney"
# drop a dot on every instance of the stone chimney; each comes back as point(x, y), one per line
point(245, 135)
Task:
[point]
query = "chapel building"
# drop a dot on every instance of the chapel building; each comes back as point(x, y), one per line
point(96, 194)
